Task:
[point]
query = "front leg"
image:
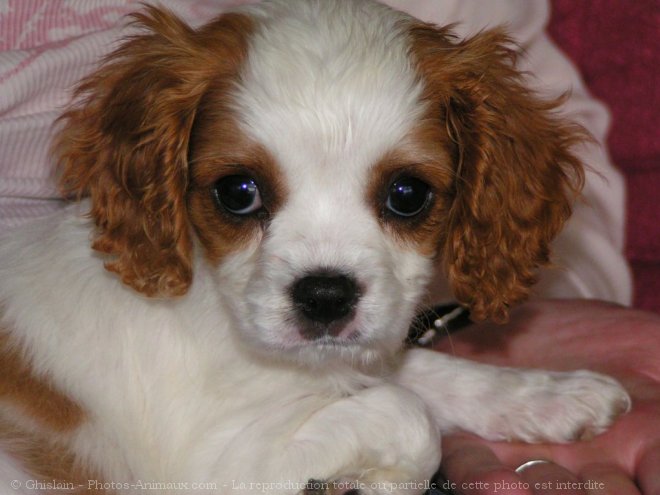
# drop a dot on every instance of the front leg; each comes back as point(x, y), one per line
point(381, 440)
point(512, 404)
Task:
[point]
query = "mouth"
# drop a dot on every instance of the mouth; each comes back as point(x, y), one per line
point(328, 341)
point(325, 343)
point(331, 351)
point(353, 340)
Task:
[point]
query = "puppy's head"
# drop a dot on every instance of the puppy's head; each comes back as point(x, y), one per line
point(322, 160)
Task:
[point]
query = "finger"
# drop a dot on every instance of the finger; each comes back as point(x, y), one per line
point(607, 479)
point(515, 454)
point(464, 456)
point(475, 470)
point(548, 478)
point(648, 474)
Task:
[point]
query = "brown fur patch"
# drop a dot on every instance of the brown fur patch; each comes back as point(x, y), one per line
point(33, 394)
point(125, 143)
point(219, 148)
point(41, 451)
point(514, 173)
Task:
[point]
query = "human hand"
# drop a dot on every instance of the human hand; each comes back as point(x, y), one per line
point(567, 335)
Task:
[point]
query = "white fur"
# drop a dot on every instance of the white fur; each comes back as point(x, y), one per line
point(346, 95)
point(218, 386)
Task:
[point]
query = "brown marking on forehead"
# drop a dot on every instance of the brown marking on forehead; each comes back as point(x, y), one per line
point(425, 155)
point(436, 56)
point(430, 152)
point(219, 148)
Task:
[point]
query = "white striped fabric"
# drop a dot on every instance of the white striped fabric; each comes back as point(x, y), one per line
point(46, 46)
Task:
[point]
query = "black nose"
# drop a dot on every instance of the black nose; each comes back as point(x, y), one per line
point(325, 298)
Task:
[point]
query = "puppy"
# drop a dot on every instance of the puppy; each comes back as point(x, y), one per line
point(267, 198)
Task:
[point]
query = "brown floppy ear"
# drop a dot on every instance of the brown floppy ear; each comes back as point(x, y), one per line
point(125, 143)
point(515, 173)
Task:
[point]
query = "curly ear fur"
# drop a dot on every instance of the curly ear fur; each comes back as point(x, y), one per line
point(125, 144)
point(515, 174)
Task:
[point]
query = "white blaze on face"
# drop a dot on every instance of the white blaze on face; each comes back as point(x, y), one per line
point(328, 102)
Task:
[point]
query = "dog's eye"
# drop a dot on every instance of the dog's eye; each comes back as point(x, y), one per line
point(408, 196)
point(238, 194)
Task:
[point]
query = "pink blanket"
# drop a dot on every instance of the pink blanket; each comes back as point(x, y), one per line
point(615, 44)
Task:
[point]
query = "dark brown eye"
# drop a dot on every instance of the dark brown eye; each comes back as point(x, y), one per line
point(408, 196)
point(238, 194)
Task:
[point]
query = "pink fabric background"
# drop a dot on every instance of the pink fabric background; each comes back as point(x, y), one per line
point(615, 44)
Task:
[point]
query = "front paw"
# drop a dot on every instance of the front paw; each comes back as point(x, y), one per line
point(591, 402)
point(561, 407)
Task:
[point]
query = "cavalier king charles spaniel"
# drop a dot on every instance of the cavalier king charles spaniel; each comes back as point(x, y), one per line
point(262, 203)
